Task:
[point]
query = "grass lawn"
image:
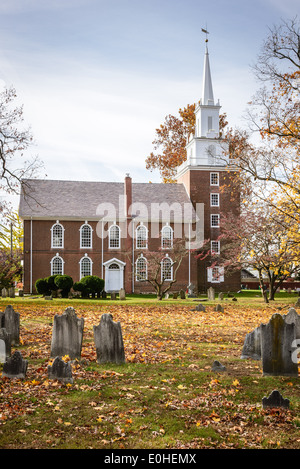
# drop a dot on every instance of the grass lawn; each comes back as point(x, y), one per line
point(166, 395)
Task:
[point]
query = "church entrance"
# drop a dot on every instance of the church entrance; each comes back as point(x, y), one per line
point(114, 275)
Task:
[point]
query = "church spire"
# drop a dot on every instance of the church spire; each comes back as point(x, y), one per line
point(207, 89)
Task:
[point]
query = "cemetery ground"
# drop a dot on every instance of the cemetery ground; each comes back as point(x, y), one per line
point(165, 395)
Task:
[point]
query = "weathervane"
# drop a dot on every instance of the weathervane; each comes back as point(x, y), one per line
point(206, 33)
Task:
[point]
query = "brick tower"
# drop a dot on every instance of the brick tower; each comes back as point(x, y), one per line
point(206, 170)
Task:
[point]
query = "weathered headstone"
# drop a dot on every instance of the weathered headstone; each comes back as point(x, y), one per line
point(11, 292)
point(113, 295)
point(211, 294)
point(275, 400)
point(219, 308)
point(60, 370)
point(276, 340)
point(200, 307)
point(252, 345)
point(217, 366)
point(182, 294)
point(21, 293)
point(103, 294)
point(4, 293)
point(191, 291)
point(67, 334)
point(122, 294)
point(109, 341)
point(175, 295)
point(297, 304)
point(15, 366)
point(5, 345)
point(292, 317)
point(221, 296)
point(10, 320)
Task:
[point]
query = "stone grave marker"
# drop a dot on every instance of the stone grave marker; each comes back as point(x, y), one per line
point(277, 338)
point(5, 345)
point(199, 307)
point(219, 308)
point(4, 293)
point(10, 320)
point(292, 317)
point(122, 294)
point(182, 294)
point(211, 294)
point(15, 366)
point(67, 334)
point(252, 345)
point(11, 292)
point(217, 366)
point(113, 295)
point(275, 400)
point(109, 341)
point(175, 295)
point(221, 296)
point(60, 370)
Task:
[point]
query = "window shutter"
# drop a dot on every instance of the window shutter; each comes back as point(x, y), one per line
point(221, 272)
point(209, 274)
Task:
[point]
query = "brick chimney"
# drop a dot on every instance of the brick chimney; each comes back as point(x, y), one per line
point(128, 195)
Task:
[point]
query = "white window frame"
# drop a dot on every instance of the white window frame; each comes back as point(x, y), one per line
point(110, 238)
point(137, 278)
point(170, 278)
point(212, 175)
point(86, 225)
point(215, 203)
point(215, 274)
point(140, 228)
point(212, 216)
point(213, 250)
point(168, 228)
point(56, 257)
point(62, 235)
point(86, 257)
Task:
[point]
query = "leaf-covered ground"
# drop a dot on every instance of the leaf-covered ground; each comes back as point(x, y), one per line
point(165, 396)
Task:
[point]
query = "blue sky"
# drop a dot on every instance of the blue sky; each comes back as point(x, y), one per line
point(97, 77)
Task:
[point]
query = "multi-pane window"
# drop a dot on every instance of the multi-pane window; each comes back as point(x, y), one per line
point(85, 267)
point(214, 200)
point(167, 269)
point(215, 221)
point(215, 274)
point(57, 266)
point(141, 269)
point(86, 236)
point(215, 247)
point(214, 179)
point(57, 236)
point(167, 237)
point(114, 236)
point(141, 237)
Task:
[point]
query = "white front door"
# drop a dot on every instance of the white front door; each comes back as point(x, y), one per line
point(113, 278)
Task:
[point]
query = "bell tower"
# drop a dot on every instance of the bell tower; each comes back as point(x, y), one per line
point(206, 170)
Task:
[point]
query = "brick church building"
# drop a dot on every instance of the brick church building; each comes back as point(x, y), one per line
point(109, 229)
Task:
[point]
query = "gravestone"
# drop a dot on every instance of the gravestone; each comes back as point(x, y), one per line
point(10, 320)
point(4, 293)
point(175, 295)
point(182, 294)
point(275, 400)
point(211, 294)
point(109, 341)
point(21, 293)
point(200, 307)
point(113, 295)
point(252, 345)
point(122, 294)
point(11, 292)
point(5, 345)
point(277, 338)
point(217, 366)
point(60, 370)
point(67, 334)
point(103, 294)
point(221, 296)
point(219, 309)
point(15, 366)
point(292, 317)
point(297, 304)
point(191, 291)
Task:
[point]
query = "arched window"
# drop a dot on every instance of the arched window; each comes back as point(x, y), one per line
point(114, 237)
point(57, 235)
point(86, 236)
point(141, 237)
point(85, 267)
point(141, 269)
point(167, 269)
point(57, 265)
point(167, 237)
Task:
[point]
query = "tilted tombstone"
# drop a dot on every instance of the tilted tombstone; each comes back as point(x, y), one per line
point(252, 345)
point(277, 339)
point(11, 322)
point(109, 341)
point(275, 400)
point(5, 345)
point(67, 334)
point(15, 366)
point(211, 294)
point(60, 370)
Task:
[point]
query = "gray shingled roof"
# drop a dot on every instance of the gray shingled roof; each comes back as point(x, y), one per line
point(57, 199)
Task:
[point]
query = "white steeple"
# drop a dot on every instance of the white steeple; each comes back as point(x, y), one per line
point(205, 148)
